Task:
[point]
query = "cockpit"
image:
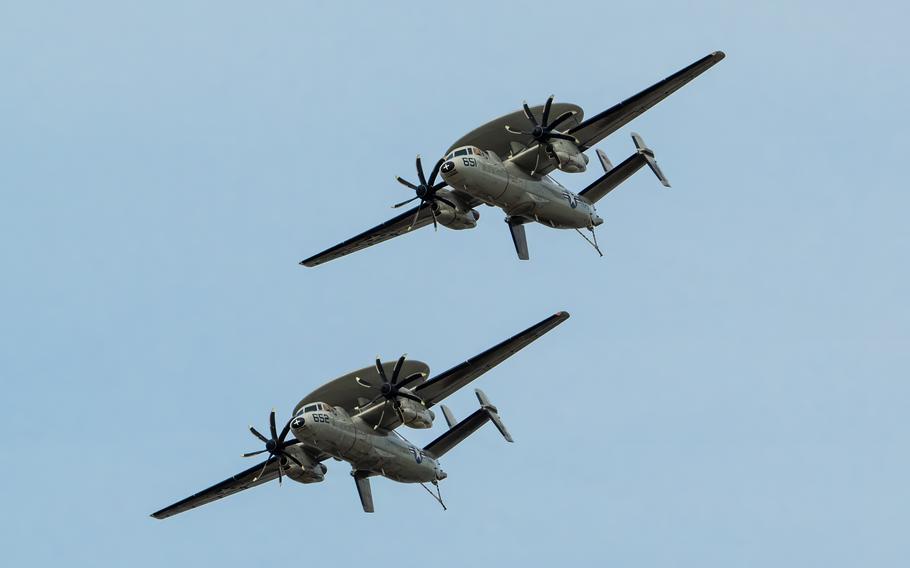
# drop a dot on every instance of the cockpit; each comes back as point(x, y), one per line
point(466, 151)
point(316, 407)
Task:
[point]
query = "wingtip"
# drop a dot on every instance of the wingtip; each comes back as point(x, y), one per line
point(562, 314)
point(718, 55)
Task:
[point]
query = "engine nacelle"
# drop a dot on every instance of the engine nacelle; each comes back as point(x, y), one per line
point(454, 218)
point(414, 414)
point(570, 158)
point(310, 472)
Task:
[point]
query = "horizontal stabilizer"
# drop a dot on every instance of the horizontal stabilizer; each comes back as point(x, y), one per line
point(615, 176)
point(457, 433)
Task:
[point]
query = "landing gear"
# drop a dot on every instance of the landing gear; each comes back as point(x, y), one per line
point(437, 495)
point(590, 242)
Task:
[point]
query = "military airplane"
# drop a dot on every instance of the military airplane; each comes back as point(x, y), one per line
point(353, 419)
point(501, 164)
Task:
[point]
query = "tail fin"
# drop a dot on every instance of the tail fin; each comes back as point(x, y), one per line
point(517, 228)
point(615, 176)
point(362, 480)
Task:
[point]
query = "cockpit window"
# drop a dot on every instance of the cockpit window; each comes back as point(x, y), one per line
point(311, 408)
point(462, 152)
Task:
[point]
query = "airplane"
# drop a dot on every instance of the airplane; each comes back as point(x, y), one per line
point(500, 164)
point(354, 419)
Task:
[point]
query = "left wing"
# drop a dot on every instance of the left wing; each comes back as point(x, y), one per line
point(234, 484)
point(392, 228)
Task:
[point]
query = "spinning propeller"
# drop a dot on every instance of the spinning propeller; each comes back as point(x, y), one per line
point(274, 446)
point(426, 191)
point(390, 389)
point(544, 131)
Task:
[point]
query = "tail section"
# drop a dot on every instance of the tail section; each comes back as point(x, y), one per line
point(616, 175)
point(519, 239)
point(458, 432)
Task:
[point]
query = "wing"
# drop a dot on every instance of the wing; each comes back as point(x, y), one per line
point(243, 480)
point(436, 389)
point(392, 228)
point(598, 127)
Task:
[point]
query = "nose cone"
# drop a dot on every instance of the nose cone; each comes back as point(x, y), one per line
point(596, 220)
point(449, 171)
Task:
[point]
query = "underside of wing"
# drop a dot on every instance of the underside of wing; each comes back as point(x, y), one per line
point(394, 227)
point(436, 389)
point(243, 480)
point(256, 475)
point(598, 127)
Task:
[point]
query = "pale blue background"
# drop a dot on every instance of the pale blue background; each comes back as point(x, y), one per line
point(730, 391)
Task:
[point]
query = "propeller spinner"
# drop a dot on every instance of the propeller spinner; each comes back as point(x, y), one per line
point(426, 191)
point(544, 131)
point(274, 446)
point(391, 388)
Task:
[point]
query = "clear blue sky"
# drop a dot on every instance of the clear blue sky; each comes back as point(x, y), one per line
point(731, 389)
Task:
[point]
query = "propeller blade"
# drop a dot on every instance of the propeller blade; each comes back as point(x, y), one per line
point(546, 110)
point(397, 205)
point(447, 202)
point(364, 383)
point(381, 416)
point(280, 471)
point(561, 118)
point(251, 454)
point(416, 216)
point(381, 370)
point(415, 398)
point(529, 114)
point(272, 425)
point(410, 379)
point(265, 465)
point(511, 130)
point(258, 435)
point(423, 180)
point(562, 136)
point(405, 182)
point(397, 368)
point(292, 458)
point(433, 212)
point(435, 172)
point(284, 433)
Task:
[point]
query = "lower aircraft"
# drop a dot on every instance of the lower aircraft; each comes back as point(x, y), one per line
point(354, 419)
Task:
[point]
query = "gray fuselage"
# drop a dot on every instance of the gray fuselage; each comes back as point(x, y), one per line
point(484, 176)
point(348, 438)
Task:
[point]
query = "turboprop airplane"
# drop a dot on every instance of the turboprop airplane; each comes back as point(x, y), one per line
point(353, 419)
point(502, 165)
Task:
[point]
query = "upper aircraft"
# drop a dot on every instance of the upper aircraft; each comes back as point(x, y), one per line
point(506, 163)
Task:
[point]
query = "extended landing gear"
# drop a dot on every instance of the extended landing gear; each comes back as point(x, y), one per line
point(590, 242)
point(437, 495)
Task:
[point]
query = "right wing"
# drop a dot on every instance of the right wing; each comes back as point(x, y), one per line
point(392, 228)
point(436, 389)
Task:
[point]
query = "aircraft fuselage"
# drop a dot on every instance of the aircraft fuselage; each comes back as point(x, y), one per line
point(505, 185)
point(351, 439)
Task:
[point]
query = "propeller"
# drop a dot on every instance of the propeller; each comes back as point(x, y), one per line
point(426, 191)
point(544, 131)
point(391, 388)
point(274, 446)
